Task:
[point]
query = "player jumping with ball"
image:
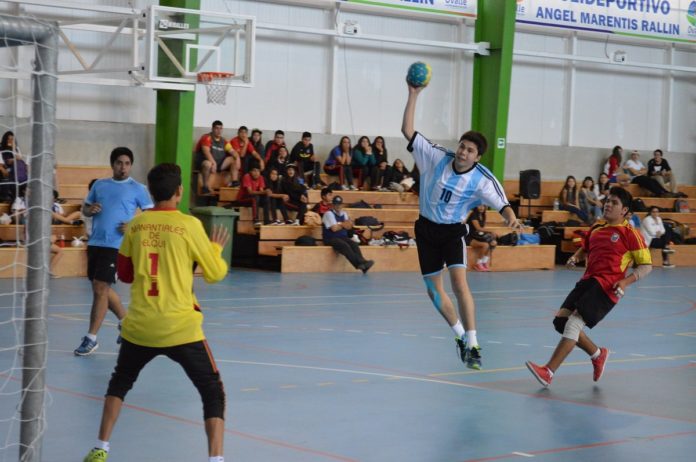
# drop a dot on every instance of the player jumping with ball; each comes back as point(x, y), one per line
point(451, 184)
point(610, 249)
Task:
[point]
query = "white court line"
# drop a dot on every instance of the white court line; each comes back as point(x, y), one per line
point(522, 344)
point(325, 329)
point(410, 335)
point(271, 327)
point(438, 337)
point(551, 346)
point(352, 371)
point(523, 454)
point(634, 354)
point(354, 331)
point(494, 341)
point(382, 332)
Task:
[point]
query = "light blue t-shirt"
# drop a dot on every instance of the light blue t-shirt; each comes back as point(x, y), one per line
point(119, 200)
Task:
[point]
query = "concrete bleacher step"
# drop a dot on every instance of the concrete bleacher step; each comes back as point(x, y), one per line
point(392, 259)
point(72, 264)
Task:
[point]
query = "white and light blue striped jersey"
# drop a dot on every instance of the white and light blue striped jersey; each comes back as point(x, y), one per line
point(446, 196)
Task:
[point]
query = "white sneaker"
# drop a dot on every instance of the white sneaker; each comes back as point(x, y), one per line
point(344, 187)
point(352, 188)
point(296, 222)
point(355, 239)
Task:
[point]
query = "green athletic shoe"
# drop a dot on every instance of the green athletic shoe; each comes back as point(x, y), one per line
point(461, 349)
point(473, 360)
point(96, 455)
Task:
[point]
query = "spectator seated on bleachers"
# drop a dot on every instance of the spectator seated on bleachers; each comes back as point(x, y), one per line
point(253, 194)
point(279, 161)
point(482, 242)
point(248, 156)
point(660, 171)
point(339, 163)
point(379, 147)
point(589, 201)
point(302, 155)
point(19, 206)
point(398, 178)
point(324, 205)
point(365, 163)
point(272, 146)
point(214, 154)
point(569, 199)
point(276, 200)
point(635, 169)
point(296, 192)
point(58, 215)
point(656, 235)
point(335, 233)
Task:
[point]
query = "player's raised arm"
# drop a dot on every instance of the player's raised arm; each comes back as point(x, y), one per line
point(410, 111)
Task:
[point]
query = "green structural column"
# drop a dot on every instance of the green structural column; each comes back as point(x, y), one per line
point(491, 94)
point(174, 121)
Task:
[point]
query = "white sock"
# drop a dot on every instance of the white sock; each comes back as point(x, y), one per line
point(103, 445)
point(471, 340)
point(216, 459)
point(485, 259)
point(479, 261)
point(595, 355)
point(92, 337)
point(458, 329)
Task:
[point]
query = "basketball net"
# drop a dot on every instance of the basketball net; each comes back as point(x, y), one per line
point(216, 85)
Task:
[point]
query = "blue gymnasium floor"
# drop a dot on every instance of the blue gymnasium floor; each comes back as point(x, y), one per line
point(345, 367)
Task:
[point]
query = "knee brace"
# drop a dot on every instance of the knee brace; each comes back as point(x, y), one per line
point(559, 323)
point(573, 327)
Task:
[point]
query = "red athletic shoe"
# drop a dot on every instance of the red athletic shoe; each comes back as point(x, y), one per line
point(479, 267)
point(599, 363)
point(541, 373)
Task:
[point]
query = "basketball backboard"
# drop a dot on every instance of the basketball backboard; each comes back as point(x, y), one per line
point(181, 43)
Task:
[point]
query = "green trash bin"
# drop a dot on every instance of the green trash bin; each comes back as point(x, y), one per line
point(212, 216)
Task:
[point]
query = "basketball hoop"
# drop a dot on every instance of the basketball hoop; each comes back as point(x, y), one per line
point(216, 85)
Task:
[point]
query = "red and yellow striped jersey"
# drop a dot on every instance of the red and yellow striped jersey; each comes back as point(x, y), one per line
point(157, 257)
point(610, 250)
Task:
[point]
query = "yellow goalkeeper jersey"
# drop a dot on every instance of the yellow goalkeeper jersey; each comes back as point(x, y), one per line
point(157, 257)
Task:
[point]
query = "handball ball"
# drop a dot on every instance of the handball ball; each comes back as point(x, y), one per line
point(419, 74)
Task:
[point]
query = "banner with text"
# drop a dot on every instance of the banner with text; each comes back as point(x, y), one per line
point(455, 7)
point(673, 20)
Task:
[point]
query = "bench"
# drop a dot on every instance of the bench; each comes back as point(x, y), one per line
point(72, 264)
point(12, 233)
point(684, 255)
point(392, 259)
point(73, 180)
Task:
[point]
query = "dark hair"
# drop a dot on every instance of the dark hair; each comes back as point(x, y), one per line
point(623, 195)
point(306, 135)
point(616, 152)
point(658, 150)
point(256, 130)
point(326, 191)
point(5, 136)
point(217, 123)
point(651, 208)
point(243, 127)
point(118, 152)
point(163, 180)
point(565, 186)
point(384, 144)
point(341, 142)
point(478, 139)
point(588, 178)
point(91, 183)
point(279, 132)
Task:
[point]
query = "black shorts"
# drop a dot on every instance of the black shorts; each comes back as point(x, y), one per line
point(199, 162)
point(101, 264)
point(196, 360)
point(590, 300)
point(440, 245)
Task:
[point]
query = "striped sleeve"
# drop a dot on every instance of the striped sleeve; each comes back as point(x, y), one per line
point(640, 253)
point(426, 154)
point(492, 192)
